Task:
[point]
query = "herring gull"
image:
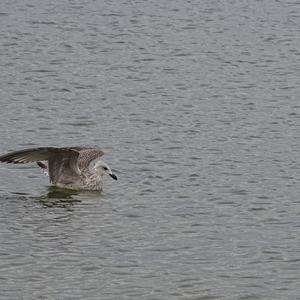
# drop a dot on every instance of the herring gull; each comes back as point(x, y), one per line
point(76, 168)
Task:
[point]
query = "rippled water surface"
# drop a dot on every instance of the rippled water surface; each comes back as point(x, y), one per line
point(196, 104)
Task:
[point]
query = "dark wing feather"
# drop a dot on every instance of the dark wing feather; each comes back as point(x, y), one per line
point(36, 154)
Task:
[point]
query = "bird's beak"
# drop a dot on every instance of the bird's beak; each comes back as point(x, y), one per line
point(113, 176)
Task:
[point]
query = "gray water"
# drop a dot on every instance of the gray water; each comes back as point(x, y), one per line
point(196, 105)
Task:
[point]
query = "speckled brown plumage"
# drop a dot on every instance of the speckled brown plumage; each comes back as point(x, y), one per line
point(70, 167)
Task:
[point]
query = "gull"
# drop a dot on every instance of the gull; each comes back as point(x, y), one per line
point(76, 168)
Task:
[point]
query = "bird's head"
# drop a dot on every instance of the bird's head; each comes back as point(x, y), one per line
point(104, 169)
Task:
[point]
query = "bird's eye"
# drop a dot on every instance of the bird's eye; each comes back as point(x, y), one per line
point(105, 168)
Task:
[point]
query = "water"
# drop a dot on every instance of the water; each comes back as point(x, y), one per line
point(196, 104)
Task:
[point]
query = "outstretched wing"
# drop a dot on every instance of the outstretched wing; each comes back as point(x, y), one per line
point(61, 161)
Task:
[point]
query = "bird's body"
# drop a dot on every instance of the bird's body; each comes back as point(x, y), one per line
point(75, 168)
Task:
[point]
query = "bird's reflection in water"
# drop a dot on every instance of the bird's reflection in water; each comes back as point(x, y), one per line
point(58, 197)
point(55, 192)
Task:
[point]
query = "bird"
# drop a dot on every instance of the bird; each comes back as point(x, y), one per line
point(76, 168)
